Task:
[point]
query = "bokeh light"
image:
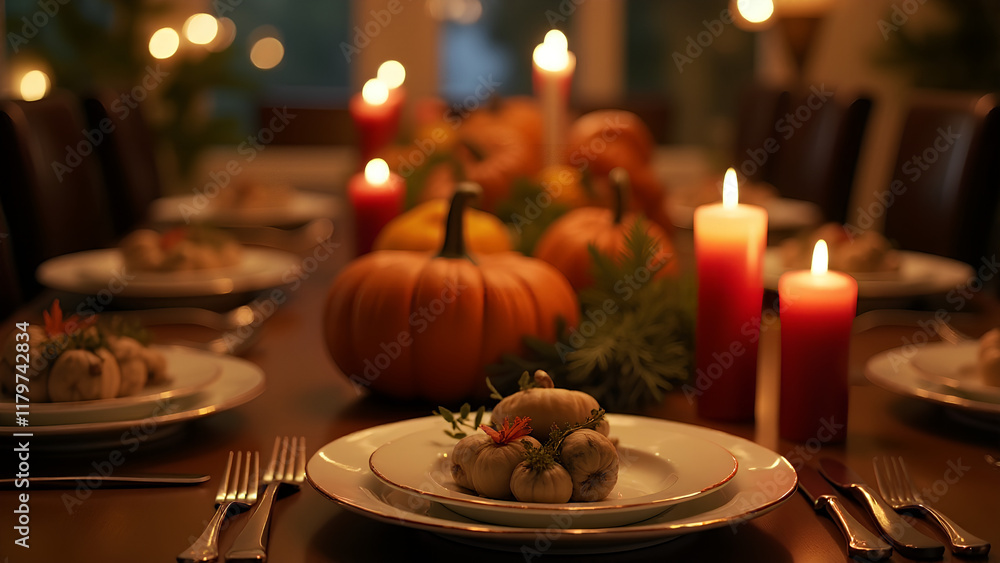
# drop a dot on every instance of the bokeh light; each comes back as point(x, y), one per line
point(201, 29)
point(164, 43)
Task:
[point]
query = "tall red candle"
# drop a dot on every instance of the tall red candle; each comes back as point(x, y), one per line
point(729, 242)
point(552, 73)
point(376, 113)
point(817, 309)
point(377, 197)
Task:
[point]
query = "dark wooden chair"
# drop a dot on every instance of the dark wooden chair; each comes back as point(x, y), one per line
point(759, 108)
point(52, 189)
point(10, 288)
point(818, 152)
point(946, 179)
point(127, 156)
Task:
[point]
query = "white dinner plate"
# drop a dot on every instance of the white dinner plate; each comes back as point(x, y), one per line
point(95, 272)
point(765, 479)
point(939, 372)
point(189, 370)
point(239, 381)
point(303, 206)
point(919, 274)
point(783, 214)
point(656, 470)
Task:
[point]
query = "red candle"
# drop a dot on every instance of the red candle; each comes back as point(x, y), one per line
point(376, 196)
point(817, 309)
point(376, 116)
point(729, 241)
point(553, 65)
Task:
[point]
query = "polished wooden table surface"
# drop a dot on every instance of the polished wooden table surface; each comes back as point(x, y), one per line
point(307, 396)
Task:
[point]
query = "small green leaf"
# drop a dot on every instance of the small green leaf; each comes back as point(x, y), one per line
point(479, 416)
point(465, 411)
point(494, 394)
point(447, 414)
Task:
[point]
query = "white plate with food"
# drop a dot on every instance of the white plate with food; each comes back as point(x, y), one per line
point(918, 274)
point(99, 272)
point(189, 372)
point(283, 208)
point(340, 471)
point(656, 470)
point(238, 382)
point(939, 372)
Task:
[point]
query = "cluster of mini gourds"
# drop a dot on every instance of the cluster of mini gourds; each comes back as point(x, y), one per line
point(577, 463)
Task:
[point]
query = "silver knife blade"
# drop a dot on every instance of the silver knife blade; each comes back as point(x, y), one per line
point(121, 481)
point(906, 539)
point(860, 541)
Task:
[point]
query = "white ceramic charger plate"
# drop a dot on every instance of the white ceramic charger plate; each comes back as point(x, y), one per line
point(303, 206)
point(189, 370)
point(239, 382)
point(656, 470)
point(919, 274)
point(939, 372)
point(94, 271)
point(339, 470)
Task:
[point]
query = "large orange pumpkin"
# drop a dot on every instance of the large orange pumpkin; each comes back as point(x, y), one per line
point(565, 243)
point(418, 325)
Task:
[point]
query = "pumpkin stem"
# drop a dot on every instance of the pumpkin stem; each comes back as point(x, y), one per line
point(454, 226)
point(619, 187)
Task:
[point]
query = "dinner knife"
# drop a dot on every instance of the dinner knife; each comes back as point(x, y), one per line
point(907, 540)
point(123, 481)
point(860, 541)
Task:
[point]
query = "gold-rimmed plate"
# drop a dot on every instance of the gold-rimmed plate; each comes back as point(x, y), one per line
point(656, 470)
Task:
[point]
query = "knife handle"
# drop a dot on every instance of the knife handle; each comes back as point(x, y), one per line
point(963, 543)
point(908, 540)
point(860, 541)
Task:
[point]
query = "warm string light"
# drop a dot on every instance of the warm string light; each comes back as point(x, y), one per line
point(730, 190)
point(755, 11)
point(391, 73)
point(34, 85)
point(164, 43)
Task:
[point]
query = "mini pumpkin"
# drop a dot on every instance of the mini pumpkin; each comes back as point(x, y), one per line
point(418, 325)
point(546, 406)
point(565, 243)
point(422, 228)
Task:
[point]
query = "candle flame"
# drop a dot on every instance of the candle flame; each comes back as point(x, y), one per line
point(375, 92)
point(755, 11)
point(377, 172)
point(821, 257)
point(552, 53)
point(730, 190)
point(392, 73)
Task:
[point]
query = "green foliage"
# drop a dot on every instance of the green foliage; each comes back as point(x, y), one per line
point(461, 419)
point(635, 339)
point(529, 211)
point(955, 44)
point(102, 45)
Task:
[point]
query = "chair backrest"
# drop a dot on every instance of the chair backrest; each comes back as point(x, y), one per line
point(758, 110)
point(128, 157)
point(819, 148)
point(946, 177)
point(53, 190)
point(10, 290)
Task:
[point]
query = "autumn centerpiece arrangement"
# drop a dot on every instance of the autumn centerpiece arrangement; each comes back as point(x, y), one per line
point(501, 265)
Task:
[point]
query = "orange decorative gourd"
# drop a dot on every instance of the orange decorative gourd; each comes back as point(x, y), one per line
point(420, 325)
point(565, 243)
point(422, 228)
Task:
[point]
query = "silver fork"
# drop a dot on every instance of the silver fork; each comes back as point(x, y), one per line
point(239, 487)
point(898, 490)
point(287, 467)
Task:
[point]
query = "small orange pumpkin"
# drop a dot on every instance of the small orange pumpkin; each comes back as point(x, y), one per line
point(418, 325)
point(565, 242)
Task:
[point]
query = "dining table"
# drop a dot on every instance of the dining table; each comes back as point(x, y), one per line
point(947, 451)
